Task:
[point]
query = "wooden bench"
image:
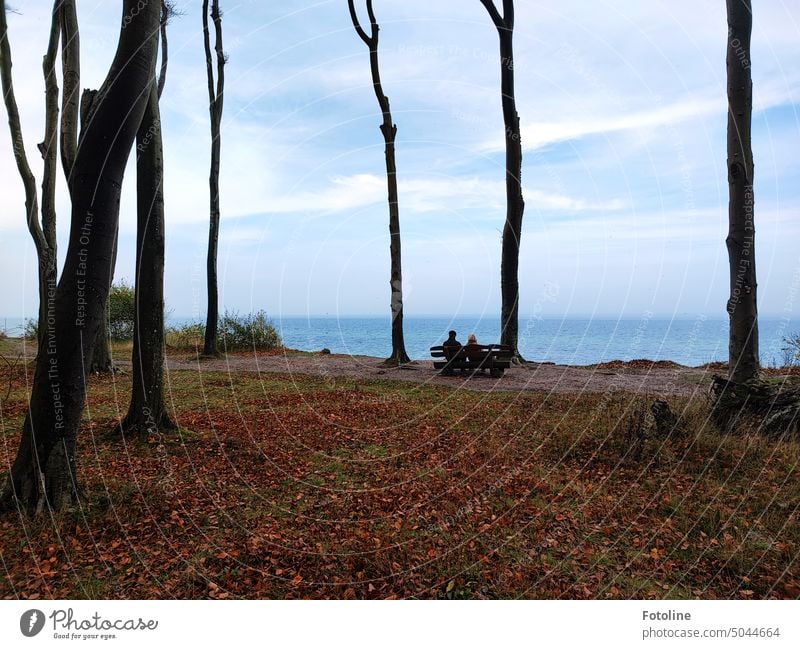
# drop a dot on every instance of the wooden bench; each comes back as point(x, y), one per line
point(495, 359)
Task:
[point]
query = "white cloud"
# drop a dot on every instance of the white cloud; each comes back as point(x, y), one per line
point(418, 195)
point(537, 135)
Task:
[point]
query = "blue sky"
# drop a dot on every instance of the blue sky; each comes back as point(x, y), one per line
point(623, 114)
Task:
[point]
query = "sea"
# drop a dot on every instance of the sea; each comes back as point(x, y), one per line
point(687, 340)
point(572, 341)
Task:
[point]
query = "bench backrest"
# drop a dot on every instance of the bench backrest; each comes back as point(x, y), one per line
point(474, 352)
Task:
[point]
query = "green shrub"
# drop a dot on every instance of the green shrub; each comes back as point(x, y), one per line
point(236, 333)
point(188, 336)
point(30, 330)
point(242, 332)
point(121, 311)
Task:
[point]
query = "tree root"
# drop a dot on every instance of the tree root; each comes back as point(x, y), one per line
point(397, 359)
point(775, 407)
point(141, 427)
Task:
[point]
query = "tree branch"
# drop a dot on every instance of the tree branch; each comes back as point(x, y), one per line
point(216, 16)
point(207, 45)
point(372, 20)
point(49, 147)
point(166, 12)
point(497, 19)
point(18, 143)
point(357, 24)
point(71, 73)
point(508, 14)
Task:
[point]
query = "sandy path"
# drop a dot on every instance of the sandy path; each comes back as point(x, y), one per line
point(656, 380)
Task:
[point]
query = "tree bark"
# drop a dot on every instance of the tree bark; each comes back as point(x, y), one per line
point(71, 73)
point(102, 358)
point(743, 360)
point(167, 11)
point(102, 362)
point(48, 272)
point(515, 204)
point(389, 131)
point(44, 471)
point(147, 413)
point(215, 99)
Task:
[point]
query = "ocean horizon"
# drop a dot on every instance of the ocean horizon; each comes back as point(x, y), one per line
point(686, 339)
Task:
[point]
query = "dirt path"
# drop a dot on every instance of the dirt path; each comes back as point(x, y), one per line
point(656, 379)
point(643, 377)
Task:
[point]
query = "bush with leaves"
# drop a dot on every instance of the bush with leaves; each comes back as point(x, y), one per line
point(30, 330)
point(121, 311)
point(236, 333)
point(243, 332)
point(187, 336)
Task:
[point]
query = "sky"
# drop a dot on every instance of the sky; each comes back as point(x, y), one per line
point(623, 113)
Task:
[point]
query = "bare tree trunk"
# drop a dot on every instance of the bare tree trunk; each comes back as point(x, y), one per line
point(743, 358)
point(215, 99)
point(44, 233)
point(43, 472)
point(71, 73)
point(147, 413)
point(102, 358)
point(49, 150)
point(515, 205)
point(389, 131)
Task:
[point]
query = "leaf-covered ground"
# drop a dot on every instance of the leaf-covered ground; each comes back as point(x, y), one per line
point(293, 487)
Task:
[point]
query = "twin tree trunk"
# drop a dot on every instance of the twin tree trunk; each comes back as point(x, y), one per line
point(43, 471)
point(215, 99)
point(389, 131)
point(515, 205)
point(743, 361)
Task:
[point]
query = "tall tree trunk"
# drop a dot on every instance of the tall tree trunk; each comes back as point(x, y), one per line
point(215, 99)
point(43, 472)
point(515, 205)
point(102, 361)
point(743, 361)
point(389, 131)
point(102, 356)
point(71, 73)
point(44, 233)
point(48, 272)
point(147, 413)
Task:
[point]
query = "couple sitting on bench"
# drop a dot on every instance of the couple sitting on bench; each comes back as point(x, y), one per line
point(472, 357)
point(452, 342)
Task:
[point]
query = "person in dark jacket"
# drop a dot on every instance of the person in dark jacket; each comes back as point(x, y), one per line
point(451, 341)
